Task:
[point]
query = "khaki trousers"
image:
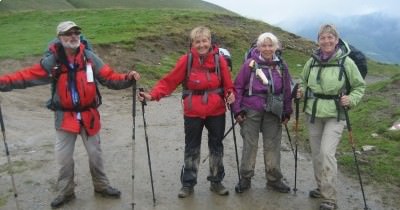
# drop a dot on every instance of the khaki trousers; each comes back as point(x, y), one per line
point(64, 151)
point(325, 135)
point(271, 128)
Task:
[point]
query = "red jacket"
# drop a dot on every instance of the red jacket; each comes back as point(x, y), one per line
point(66, 117)
point(202, 77)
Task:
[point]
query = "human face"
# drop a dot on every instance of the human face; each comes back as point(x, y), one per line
point(267, 49)
point(327, 43)
point(202, 44)
point(70, 39)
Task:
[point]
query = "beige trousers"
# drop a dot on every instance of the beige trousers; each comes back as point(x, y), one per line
point(325, 135)
point(64, 151)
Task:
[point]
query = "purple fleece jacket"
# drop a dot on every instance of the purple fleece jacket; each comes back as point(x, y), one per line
point(255, 101)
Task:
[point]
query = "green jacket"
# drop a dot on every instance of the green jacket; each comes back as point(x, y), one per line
point(329, 83)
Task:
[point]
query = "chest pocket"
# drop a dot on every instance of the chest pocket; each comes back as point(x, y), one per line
point(203, 79)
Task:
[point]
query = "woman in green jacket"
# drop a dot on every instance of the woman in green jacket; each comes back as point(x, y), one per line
point(330, 83)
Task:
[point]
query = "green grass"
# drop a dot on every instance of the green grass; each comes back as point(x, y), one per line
point(45, 5)
point(374, 115)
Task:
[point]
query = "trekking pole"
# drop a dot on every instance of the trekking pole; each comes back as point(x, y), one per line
point(295, 158)
point(349, 129)
point(290, 140)
point(10, 171)
point(296, 128)
point(234, 141)
point(147, 145)
point(133, 141)
point(229, 130)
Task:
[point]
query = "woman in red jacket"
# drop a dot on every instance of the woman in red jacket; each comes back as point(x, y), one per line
point(207, 85)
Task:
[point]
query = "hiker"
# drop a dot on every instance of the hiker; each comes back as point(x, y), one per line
point(204, 97)
point(325, 97)
point(75, 72)
point(263, 103)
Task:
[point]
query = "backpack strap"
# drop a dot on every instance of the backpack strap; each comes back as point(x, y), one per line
point(61, 58)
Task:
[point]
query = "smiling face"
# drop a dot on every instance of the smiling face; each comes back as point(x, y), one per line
point(327, 42)
point(267, 49)
point(202, 44)
point(201, 39)
point(70, 39)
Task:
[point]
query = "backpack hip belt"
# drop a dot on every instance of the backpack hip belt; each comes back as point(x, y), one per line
point(189, 93)
point(318, 96)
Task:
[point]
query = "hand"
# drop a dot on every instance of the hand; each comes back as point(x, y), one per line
point(143, 96)
point(230, 98)
point(241, 116)
point(285, 119)
point(299, 93)
point(345, 101)
point(133, 75)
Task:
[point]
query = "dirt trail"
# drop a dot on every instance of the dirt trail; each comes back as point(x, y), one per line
point(30, 137)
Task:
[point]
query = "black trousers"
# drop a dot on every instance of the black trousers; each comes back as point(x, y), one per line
point(193, 132)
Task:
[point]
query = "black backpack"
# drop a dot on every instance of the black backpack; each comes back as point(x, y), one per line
point(359, 59)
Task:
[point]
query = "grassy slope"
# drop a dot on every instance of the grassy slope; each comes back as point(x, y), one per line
point(26, 34)
point(19, 5)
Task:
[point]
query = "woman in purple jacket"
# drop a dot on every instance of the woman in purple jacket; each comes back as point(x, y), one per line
point(263, 103)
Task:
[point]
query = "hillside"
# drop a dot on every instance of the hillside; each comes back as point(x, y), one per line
point(45, 5)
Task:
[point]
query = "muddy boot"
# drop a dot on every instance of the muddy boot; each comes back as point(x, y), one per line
point(327, 205)
point(109, 192)
point(243, 185)
point(61, 200)
point(278, 186)
point(185, 192)
point(315, 193)
point(218, 188)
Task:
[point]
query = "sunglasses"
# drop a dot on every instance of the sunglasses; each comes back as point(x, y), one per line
point(70, 33)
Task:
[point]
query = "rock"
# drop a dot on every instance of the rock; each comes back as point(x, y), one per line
point(395, 127)
point(374, 135)
point(367, 148)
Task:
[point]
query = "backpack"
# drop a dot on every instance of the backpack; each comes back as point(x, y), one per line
point(55, 73)
point(361, 62)
point(221, 52)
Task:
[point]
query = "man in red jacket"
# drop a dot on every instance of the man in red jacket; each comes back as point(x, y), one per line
point(73, 72)
point(207, 89)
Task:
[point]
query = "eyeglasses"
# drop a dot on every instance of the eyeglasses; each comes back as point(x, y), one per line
point(70, 33)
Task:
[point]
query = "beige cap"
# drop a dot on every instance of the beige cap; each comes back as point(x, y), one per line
point(65, 26)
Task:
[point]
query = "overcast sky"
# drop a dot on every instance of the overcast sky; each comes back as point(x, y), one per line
point(278, 11)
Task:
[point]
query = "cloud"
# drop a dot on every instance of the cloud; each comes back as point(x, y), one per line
point(275, 12)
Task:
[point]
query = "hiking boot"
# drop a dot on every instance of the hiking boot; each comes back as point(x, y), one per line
point(109, 192)
point(61, 200)
point(218, 188)
point(327, 205)
point(315, 193)
point(278, 186)
point(243, 185)
point(185, 192)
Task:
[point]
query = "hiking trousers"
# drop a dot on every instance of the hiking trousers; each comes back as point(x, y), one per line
point(325, 135)
point(193, 133)
point(271, 128)
point(64, 151)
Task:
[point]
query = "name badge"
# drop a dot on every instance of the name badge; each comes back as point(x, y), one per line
point(89, 73)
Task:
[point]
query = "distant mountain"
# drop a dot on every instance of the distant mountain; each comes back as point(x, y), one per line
point(376, 34)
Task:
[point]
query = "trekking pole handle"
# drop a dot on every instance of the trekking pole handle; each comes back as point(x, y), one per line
point(144, 99)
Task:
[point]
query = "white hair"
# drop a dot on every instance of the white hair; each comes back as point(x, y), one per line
point(267, 35)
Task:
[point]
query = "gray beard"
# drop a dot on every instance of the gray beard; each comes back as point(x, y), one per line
point(70, 45)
